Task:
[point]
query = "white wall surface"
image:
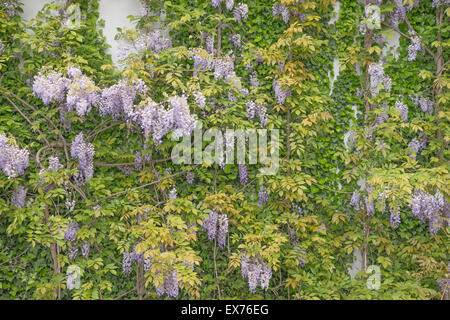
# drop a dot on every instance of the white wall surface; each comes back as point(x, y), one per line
point(114, 12)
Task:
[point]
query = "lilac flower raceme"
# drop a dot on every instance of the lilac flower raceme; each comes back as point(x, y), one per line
point(18, 197)
point(216, 3)
point(53, 164)
point(426, 105)
point(263, 197)
point(229, 4)
point(210, 225)
point(349, 139)
point(85, 249)
point(398, 15)
point(223, 231)
point(84, 152)
point(435, 209)
point(200, 99)
point(370, 207)
point(51, 87)
point(13, 161)
point(126, 263)
point(355, 200)
point(82, 93)
point(437, 3)
point(416, 146)
point(183, 121)
point(223, 68)
point(71, 231)
point(117, 100)
point(301, 255)
point(395, 218)
point(73, 252)
point(153, 41)
point(236, 40)
point(173, 194)
point(240, 12)
point(254, 81)
point(280, 94)
point(255, 109)
point(171, 284)
point(257, 274)
point(190, 177)
point(377, 77)
point(243, 174)
point(202, 60)
point(403, 110)
point(209, 39)
point(283, 11)
point(414, 47)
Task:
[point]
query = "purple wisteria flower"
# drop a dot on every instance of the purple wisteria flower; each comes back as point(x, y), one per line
point(229, 4)
point(126, 263)
point(416, 146)
point(403, 110)
point(280, 94)
point(257, 273)
point(200, 99)
point(173, 194)
point(243, 174)
point(82, 93)
point(84, 152)
point(13, 161)
point(51, 87)
point(71, 231)
point(85, 249)
point(377, 77)
point(414, 47)
point(236, 40)
point(18, 197)
point(395, 217)
point(355, 200)
point(190, 177)
point(301, 255)
point(263, 197)
point(435, 209)
point(223, 231)
point(240, 12)
point(281, 10)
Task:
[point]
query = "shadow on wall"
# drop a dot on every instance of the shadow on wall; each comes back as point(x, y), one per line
point(114, 12)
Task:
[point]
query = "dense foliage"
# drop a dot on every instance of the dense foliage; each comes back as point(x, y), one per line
point(93, 207)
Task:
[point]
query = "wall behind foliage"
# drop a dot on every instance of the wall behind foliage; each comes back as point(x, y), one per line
point(113, 12)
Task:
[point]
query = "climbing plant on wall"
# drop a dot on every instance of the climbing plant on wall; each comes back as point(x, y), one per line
point(93, 206)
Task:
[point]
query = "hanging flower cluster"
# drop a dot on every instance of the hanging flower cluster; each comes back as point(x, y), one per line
point(378, 77)
point(426, 105)
point(170, 285)
point(216, 226)
point(257, 273)
point(18, 197)
point(435, 209)
point(13, 161)
point(81, 91)
point(416, 146)
point(280, 94)
point(84, 152)
point(71, 231)
point(263, 196)
point(256, 109)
